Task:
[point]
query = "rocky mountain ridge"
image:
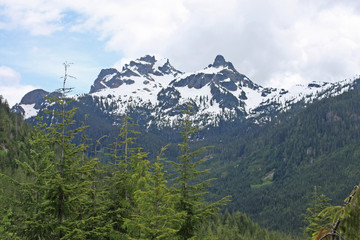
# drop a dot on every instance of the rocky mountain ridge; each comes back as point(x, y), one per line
point(158, 93)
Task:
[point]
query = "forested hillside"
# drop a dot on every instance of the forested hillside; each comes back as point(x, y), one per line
point(53, 188)
point(271, 172)
point(13, 134)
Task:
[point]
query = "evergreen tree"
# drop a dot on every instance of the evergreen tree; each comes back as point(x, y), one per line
point(55, 196)
point(314, 221)
point(191, 199)
point(65, 193)
point(237, 226)
point(95, 223)
point(155, 216)
point(345, 220)
point(37, 222)
point(127, 167)
point(351, 223)
point(8, 227)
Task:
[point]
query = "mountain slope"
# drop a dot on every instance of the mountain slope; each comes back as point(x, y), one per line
point(13, 134)
point(271, 172)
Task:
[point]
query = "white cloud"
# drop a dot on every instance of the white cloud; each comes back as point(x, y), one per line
point(274, 39)
point(13, 94)
point(36, 16)
point(133, 27)
point(321, 46)
point(285, 80)
point(266, 40)
point(8, 76)
point(10, 87)
point(120, 64)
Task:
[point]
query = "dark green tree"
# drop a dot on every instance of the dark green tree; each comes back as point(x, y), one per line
point(313, 219)
point(57, 191)
point(128, 165)
point(96, 225)
point(155, 216)
point(345, 220)
point(188, 186)
point(37, 222)
point(7, 226)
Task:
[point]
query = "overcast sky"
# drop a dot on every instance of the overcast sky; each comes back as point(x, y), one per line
point(274, 42)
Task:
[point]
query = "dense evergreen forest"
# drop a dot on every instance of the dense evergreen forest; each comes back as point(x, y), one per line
point(56, 185)
point(276, 166)
point(53, 188)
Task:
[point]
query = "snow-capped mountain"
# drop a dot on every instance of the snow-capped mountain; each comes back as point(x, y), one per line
point(144, 73)
point(158, 93)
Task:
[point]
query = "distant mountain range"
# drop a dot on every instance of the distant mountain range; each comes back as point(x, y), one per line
point(159, 93)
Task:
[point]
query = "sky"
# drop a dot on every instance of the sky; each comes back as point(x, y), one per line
point(278, 43)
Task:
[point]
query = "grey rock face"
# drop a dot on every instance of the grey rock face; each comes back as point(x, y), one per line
point(34, 96)
point(99, 81)
point(167, 68)
point(168, 98)
point(220, 62)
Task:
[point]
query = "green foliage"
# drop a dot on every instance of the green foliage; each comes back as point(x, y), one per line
point(38, 169)
point(128, 173)
point(155, 216)
point(13, 134)
point(315, 220)
point(265, 181)
point(191, 195)
point(344, 220)
point(68, 187)
point(237, 226)
point(351, 222)
point(317, 145)
point(7, 226)
point(56, 185)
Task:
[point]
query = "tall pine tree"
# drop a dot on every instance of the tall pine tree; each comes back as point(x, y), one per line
point(128, 166)
point(191, 192)
point(60, 178)
point(345, 220)
point(314, 221)
point(155, 216)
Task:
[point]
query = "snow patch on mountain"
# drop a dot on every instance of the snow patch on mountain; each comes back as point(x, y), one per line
point(29, 110)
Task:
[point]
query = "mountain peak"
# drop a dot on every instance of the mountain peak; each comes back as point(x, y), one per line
point(142, 70)
point(221, 62)
point(148, 58)
point(34, 96)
